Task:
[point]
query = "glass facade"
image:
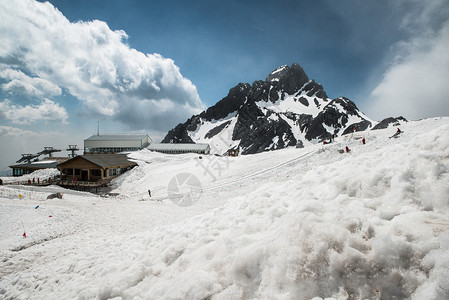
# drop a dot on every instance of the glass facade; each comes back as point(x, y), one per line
point(20, 171)
point(180, 151)
point(112, 149)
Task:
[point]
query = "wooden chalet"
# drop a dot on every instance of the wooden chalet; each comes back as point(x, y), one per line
point(93, 168)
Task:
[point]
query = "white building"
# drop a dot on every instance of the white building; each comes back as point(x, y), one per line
point(115, 143)
point(180, 148)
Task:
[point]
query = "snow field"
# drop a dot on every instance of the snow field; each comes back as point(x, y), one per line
point(331, 239)
point(42, 174)
point(290, 224)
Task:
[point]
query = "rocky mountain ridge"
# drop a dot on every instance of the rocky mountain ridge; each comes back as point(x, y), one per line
point(286, 109)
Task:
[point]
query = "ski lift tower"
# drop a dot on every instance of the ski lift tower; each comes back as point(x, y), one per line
point(73, 149)
point(48, 151)
point(27, 158)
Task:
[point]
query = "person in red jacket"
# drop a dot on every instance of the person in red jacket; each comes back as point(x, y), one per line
point(398, 132)
point(347, 149)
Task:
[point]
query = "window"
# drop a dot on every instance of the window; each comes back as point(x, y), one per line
point(96, 173)
point(17, 172)
point(112, 172)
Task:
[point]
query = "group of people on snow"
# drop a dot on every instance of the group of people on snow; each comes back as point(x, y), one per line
point(347, 150)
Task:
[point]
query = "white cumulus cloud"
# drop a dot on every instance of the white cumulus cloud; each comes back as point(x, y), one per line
point(416, 84)
point(10, 131)
point(94, 64)
point(47, 111)
point(20, 83)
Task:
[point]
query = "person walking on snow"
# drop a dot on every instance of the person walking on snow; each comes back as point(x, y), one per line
point(347, 149)
point(149, 192)
point(363, 141)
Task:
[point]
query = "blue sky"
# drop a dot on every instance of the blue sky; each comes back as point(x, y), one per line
point(217, 44)
point(145, 66)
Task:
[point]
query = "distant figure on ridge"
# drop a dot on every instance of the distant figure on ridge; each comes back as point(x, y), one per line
point(398, 132)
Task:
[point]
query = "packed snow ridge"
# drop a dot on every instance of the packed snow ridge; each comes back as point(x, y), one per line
point(297, 223)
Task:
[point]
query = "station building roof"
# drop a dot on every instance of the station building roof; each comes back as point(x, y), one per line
point(178, 147)
point(117, 137)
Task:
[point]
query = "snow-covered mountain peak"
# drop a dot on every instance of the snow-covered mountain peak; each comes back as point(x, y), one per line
point(287, 109)
point(290, 79)
point(278, 73)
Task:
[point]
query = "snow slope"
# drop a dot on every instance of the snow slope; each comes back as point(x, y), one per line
point(305, 223)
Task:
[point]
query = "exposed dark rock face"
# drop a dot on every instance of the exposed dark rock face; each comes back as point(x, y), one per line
point(179, 134)
point(216, 130)
point(361, 126)
point(385, 123)
point(303, 101)
point(286, 109)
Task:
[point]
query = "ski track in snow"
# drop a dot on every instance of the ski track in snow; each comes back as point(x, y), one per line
point(305, 223)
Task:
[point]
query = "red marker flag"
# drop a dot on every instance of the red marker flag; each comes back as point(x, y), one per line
point(24, 232)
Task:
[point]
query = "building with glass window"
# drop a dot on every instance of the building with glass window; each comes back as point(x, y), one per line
point(169, 148)
point(115, 143)
point(29, 167)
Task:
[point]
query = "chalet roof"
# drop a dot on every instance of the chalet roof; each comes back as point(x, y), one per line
point(178, 147)
point(105, 160)
point(117, 137)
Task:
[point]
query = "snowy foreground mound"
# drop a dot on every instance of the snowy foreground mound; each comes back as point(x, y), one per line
point(290, 224)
